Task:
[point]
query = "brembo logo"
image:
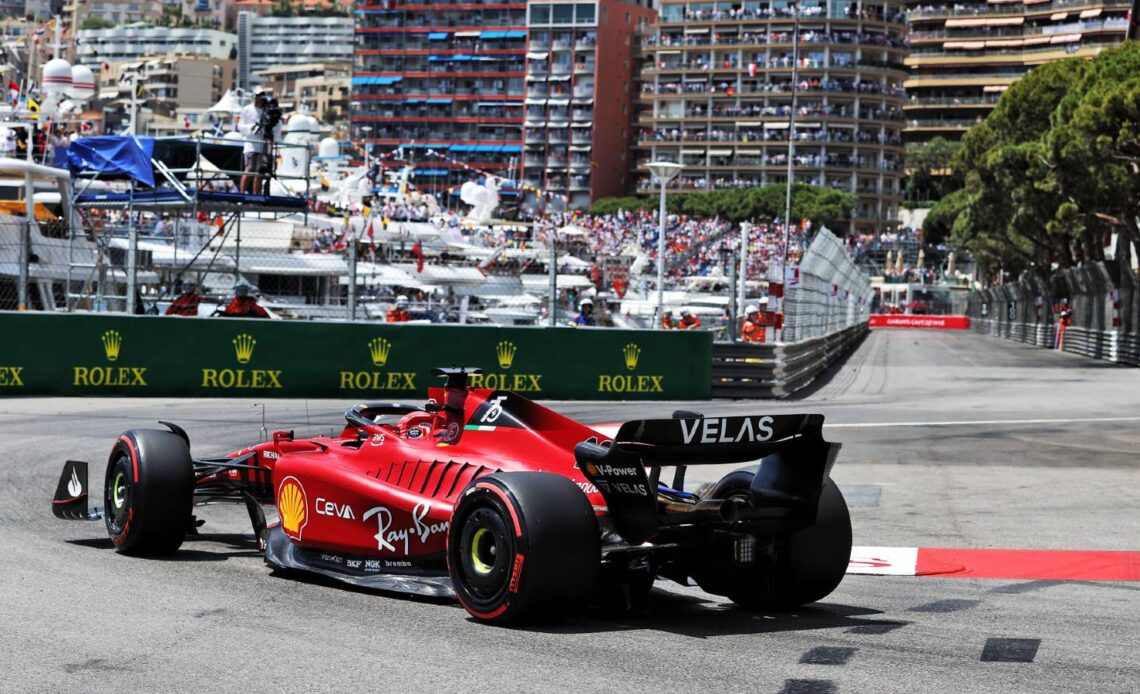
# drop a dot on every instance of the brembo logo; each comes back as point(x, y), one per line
point(242, 379)
point(379, 352)
point(108, 376)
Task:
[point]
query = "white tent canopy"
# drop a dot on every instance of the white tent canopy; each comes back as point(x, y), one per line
point(229, 103)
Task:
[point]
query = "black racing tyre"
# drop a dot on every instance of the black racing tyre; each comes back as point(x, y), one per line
point(810, 562)
point(522, 545)
point(149, 492)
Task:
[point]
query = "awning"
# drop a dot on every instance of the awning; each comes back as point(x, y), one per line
point(995, 88)
point(430, 172)
point(1058, 16)
point(578, 148)
point(559, 102)
point(460, 34)
point(747, 152)
point(1004, 43)
point(1088, 14)
point(437, 36)
point(376, 79)
point(965, 45)
point(1036, 40)
point(985, 21)
point(439, 101)
point(581, 125)
point(559, 78)
point(536, 78)
point(669, 52)
point(538, 55)
point(535, 102)
point(703, 30)
point(502, 34)
point(776, 126)
point(720, 152)
point(1066, 38)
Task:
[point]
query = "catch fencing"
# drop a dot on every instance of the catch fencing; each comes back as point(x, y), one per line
point(1092, 310)
point(830, 294)
point(826, 309)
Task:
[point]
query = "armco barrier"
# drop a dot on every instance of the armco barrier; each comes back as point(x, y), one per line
point(744, 370)
point(99, 354)
point(924, 322)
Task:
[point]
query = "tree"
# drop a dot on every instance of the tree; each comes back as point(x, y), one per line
point(822, 205)
point(930, 171)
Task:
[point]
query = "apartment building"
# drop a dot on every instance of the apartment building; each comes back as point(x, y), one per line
point(447, 77)
point(580, 91)
point(717, 97)
point(170, 82)
point(269, 42)
point(318, 89)
point(130, 42)
point(964, 55)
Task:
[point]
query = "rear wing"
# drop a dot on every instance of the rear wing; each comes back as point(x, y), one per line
point(793, 461)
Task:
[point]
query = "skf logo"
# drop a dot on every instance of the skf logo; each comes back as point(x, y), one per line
point(292, 504)
point(379, 349)
point(631, 353)
point(112, 343)
point(629, 383)
point(109, 376)
point(505, 352)
point(243, 348)
point(258, 379)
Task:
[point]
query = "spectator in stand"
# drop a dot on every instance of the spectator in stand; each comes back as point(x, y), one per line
point(753, 328)
point(164, 227)
point(585, 315)
point(667, 320)
point(244, 305)
point(399, 312)
point(186, 303)
point(689, 320)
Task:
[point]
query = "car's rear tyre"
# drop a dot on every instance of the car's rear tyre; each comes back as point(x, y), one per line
point(522, 545)
point(809, 563)
point(149, 492)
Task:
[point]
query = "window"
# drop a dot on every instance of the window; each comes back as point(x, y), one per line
point(585, 13)
point(540, 14)
point(563, 13)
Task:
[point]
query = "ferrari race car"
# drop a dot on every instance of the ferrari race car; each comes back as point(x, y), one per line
point(515, 509)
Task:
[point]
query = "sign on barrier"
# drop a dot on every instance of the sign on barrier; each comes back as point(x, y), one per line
point(926, 322)
point(96, 354)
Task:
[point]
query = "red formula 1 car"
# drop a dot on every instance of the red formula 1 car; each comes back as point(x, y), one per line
point(508, 505)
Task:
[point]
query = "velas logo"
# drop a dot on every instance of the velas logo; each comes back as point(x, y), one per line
point(505, 352)
point(630, 383)
point(631, 353)
point(243, 348)
point(112, 343)
point(11, 376)
point(380, 352)
point(292, 505)
point(242, 379)
point(103, 376)
point(379, 349)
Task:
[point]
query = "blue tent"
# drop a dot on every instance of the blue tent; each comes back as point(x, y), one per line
point(113, 156)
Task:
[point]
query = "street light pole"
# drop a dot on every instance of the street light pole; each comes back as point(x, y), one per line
point(665, 171)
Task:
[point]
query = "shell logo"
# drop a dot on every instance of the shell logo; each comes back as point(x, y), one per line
point(292, 504)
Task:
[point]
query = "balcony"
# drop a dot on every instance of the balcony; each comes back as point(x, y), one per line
point(579, 163)
point(535, 136)
point(558, 137)
point(584, 90)
point(536, 160)
point(586, 68)
point(579, 183)
point(561, 45)
point(582, 136)
point(538, 91)
point(560, 69)
point(586, 43)
point(583, 115)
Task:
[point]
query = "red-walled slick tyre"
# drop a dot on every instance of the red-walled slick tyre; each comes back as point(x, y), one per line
point(149, 492)
point(522, 544)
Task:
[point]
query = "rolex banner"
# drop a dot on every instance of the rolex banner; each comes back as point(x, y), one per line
point(97, 354)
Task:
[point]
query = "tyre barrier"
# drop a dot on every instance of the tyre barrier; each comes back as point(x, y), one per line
point(744, 370)
point(1108, 345)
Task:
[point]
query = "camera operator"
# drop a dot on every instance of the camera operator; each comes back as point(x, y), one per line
point(255, 122)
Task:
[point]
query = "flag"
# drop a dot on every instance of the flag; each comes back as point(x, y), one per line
point(371, 235)
point(418, 251)
point(186, 122)
point(13, 92)
point(751, 69)
point(106, 65)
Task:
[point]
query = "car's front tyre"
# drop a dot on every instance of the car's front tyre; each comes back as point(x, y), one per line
point(149, 492)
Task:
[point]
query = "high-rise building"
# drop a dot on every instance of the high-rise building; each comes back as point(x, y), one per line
point(579, 98)
point(133, 41)
point(270, 42)
point(717, 95)
point(964, 55)
point(442, 76)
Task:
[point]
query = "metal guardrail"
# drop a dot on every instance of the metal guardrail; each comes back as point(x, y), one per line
point(1108, 345)
point(776, 370)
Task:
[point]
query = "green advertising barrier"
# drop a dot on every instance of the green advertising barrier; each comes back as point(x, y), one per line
point(98, 354)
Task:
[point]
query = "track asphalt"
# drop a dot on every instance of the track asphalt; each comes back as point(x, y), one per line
point(951, 440)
